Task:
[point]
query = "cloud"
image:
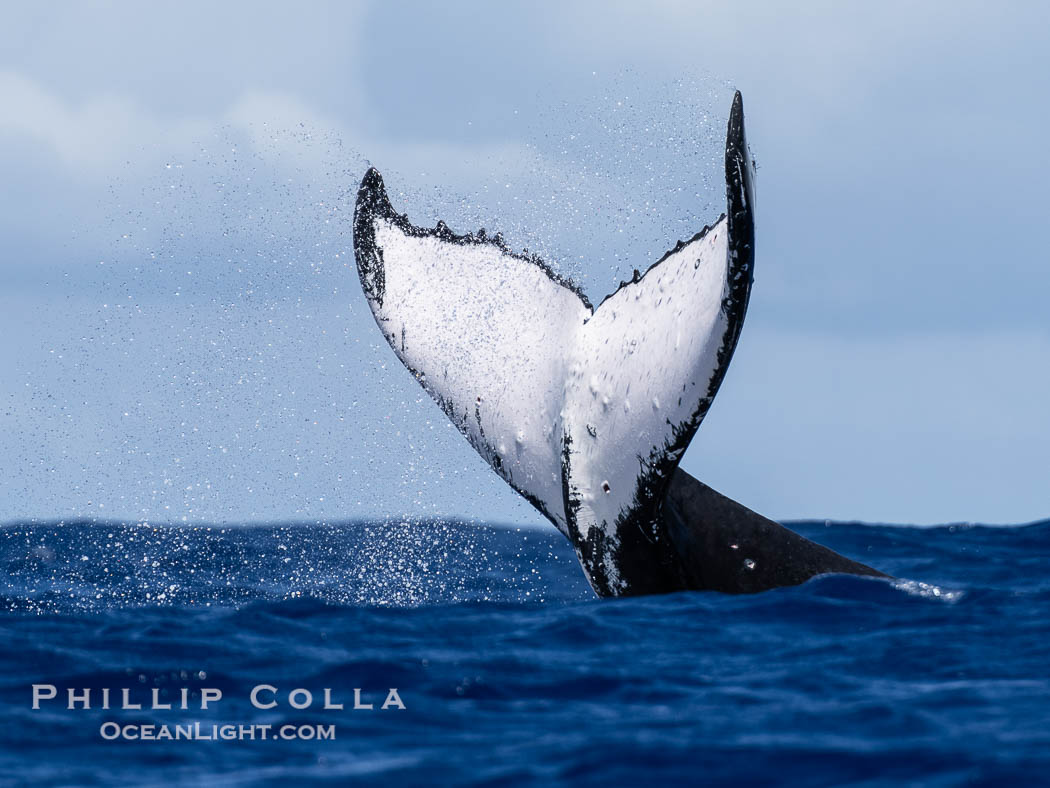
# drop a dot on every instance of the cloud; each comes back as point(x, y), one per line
point(94, 135)
point(90, 136)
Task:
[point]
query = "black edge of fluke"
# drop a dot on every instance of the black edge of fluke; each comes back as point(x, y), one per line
point(740, 182)
point(740, 213)
point(371, 202)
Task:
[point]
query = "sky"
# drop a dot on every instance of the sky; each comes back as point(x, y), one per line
point(182, 333)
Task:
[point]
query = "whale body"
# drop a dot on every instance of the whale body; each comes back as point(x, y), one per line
point(586, 411)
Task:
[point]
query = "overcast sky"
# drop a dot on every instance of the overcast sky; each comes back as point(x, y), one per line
point(182, 332)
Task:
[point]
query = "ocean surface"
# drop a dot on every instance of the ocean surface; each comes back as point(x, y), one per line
point(509, 670)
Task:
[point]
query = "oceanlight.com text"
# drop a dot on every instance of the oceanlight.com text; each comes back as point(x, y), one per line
point(195, 731)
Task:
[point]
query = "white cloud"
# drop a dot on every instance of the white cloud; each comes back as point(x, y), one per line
point(89, 136)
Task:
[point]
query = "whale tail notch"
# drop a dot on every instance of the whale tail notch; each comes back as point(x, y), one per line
point(586, 411)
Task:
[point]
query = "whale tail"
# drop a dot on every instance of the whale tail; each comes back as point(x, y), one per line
point(585, 411)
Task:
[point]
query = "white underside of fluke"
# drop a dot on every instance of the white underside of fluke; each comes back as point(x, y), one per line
point(536, 381)
point(488, 335)
point(639, 367)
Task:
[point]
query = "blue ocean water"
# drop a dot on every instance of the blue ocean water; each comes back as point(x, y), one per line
point(510, 671)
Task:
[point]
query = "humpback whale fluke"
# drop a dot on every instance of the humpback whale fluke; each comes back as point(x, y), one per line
point(587, 411)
